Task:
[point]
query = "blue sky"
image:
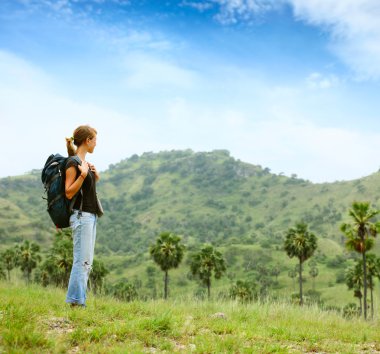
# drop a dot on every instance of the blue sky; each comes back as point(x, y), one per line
point(292, 85)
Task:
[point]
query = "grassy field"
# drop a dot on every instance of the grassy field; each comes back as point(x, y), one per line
point(36, 320)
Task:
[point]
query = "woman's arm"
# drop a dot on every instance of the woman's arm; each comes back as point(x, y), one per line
point(73, 184)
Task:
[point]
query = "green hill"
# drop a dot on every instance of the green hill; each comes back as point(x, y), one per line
point(206, 197)
point(36, 320)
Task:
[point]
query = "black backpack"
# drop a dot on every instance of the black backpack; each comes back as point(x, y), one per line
point(53, 177)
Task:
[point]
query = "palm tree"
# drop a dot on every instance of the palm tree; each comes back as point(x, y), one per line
point(62, 252)
point(2, 273)
point(9, 258)
point(373, 271)
point(28, 258)
point(208, 262)
point(292, 273)
point(313, 273)
point(354, 280)
point(243, 290)
point(167, 253)
point(125, 291)
point(97, 275)
point(50, 272)
point(300, 243)
point(276, 271)
point(361, 234)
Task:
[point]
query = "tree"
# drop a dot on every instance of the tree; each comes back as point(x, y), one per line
point(292, 273)
point(243, 290)
point(151, 282)
point(350, 310)
point(354, 280)
point(167, 253)
point(264, 280)
point(9, 258)
point(57, 266)
point(97, 275)
point(2, 272)
point(313, 273)
point(206, 263)
point(300, 243)
point(62, 252)
point(125, 291)
point(373, 268)
point(360, 237)
point(276, 271)
point(373, 271)
point(28, 257)
point(50, 273)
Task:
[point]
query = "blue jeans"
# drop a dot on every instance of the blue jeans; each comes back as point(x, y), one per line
point(84, 235)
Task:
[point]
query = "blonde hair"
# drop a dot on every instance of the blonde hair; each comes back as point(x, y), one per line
point(80, 135)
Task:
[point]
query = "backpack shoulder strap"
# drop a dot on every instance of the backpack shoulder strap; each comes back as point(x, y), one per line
point(74, 158)
point(79, 162)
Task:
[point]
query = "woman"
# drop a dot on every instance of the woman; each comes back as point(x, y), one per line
point(81, 179)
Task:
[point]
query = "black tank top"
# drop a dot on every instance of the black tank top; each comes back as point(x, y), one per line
point(88, 188)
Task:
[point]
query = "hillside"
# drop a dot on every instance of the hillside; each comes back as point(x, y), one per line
point(206, 197)
point(36, 320)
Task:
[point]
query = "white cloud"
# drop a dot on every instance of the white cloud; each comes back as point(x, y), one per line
point(232, 11)
point(60, 7)
point(200, 6)
point(35, 119)
point(284, 140)
point(319, 81)
point(268, 126)
point(132, 39)
point(149, 72)
point(353, 25)
point(317, 153)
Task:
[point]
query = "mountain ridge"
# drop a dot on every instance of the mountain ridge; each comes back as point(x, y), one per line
point(168, 175)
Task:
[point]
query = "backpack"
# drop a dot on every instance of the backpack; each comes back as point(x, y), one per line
point(53, 178)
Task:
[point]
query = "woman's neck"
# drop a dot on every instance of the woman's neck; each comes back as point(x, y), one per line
point(81, 153)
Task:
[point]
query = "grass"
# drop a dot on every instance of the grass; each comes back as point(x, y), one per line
point(36, 320)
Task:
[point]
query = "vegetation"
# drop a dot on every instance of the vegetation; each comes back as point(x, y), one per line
point(27, 257)
point(354, 281)
point(242, 210)
point(355, 276)
point(207, 263)
point(243, 291)
point(36, 320)
point(360, 237)
point(167, 253)
point(243, 214)
point(300, 243)
point(9, 258)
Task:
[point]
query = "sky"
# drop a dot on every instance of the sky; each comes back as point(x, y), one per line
point(292, 85)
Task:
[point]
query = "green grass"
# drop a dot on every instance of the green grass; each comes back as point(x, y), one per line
point(36, 320)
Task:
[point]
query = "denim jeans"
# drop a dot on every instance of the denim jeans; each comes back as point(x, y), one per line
point(84, 235)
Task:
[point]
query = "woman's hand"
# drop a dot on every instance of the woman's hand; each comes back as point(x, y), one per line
point(83, 168)
point(94, 170)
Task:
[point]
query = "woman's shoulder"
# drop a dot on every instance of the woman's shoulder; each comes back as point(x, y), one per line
point(72, 161)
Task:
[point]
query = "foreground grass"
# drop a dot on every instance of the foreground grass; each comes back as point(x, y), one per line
point(36, 320)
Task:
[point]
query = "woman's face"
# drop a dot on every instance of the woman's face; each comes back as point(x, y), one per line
point(91, 143)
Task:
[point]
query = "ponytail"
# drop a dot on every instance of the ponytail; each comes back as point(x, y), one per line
point(79, 137)
point(70, 146)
